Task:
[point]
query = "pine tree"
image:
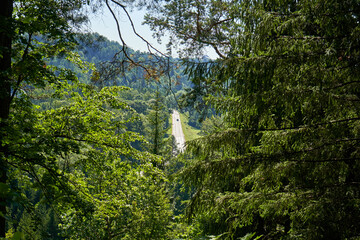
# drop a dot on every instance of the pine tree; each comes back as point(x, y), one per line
point(286, 163)
point(157, 119)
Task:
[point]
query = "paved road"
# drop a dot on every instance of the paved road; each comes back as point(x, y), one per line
point(177, 131)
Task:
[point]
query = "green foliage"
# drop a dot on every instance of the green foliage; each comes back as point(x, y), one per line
point(65, 151)
point(285, 164)
point(211, 125)
point(84, 163)
point(129, 203)
point(157, 125)
point(32, 32)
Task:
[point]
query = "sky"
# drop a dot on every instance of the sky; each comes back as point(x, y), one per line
point(105, 25)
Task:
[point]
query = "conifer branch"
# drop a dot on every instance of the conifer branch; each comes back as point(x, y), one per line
point(341, 85)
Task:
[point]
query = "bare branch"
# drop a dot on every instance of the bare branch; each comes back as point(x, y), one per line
point(124, 50)
point(149, 45)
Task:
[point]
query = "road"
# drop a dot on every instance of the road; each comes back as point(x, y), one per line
point(177, 131)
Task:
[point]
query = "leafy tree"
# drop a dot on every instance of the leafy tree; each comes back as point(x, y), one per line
point(72, 148)
point(286, 163)
point(86, 167)
point(22, 60)
point(121, 190)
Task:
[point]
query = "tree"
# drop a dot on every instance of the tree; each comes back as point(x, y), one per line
point(5, 86)
point(194, 24)
point(22, 63)
point(85, 165)
point(42, 150)
point(286, 163)
point(121, 193)
point(157, 119)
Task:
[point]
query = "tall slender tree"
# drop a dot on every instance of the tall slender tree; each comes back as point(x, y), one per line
point(6, 34)
point(157, 124)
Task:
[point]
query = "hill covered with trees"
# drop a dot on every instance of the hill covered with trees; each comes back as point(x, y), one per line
point(83, 156)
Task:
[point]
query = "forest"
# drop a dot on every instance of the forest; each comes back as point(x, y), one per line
point(272, 124)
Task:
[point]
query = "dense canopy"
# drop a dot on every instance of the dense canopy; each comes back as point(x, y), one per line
point(285, 162)
point(280, 157)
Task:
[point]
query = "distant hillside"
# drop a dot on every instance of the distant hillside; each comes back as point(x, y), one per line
point(108, 59)
point(100, 51)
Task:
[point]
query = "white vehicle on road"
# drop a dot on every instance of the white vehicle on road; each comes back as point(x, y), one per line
point(177, 131)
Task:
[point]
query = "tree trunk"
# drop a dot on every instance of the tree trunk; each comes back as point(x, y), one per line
point(6, 9)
